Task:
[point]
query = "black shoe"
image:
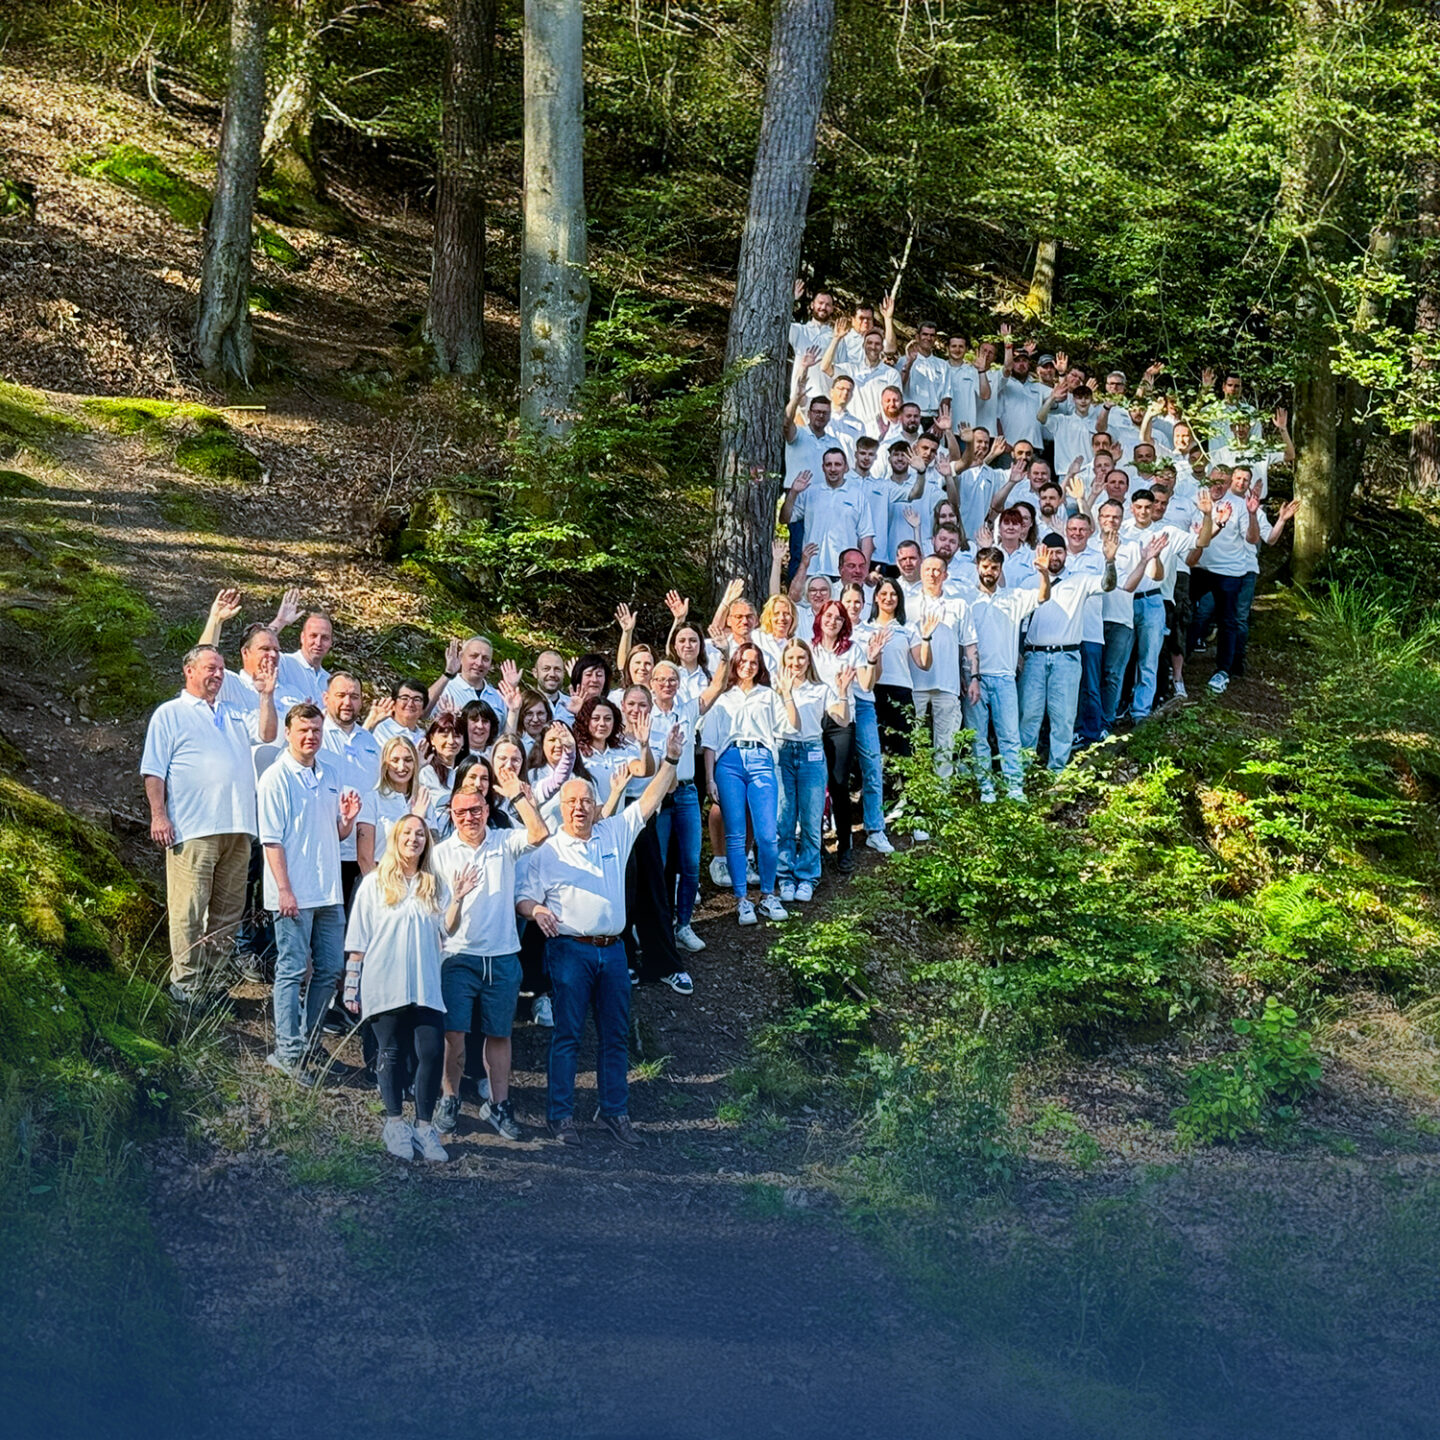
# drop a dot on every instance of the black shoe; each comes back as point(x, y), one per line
point(565, 1132)
point(845, 862)
point(337, 1022)
point(621, 1129)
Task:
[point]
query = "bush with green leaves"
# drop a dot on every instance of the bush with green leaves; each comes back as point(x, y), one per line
point(1242, 1093)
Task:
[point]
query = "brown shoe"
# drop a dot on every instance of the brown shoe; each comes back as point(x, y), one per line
point(622, 1130)
point(565, 1132)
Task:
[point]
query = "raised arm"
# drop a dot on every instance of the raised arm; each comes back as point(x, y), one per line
point(656, 791)
point(225, 606)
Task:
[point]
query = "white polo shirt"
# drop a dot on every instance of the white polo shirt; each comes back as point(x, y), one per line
point(977, 487)
point(459, 692)
point(297, 680)
point(1230, 553)
point(300, 811)
point(582, 882)
point(1118, 605)
point(686, 714)
point(844, 430)
point(894, 663)
point(1061, 619)
point(836, 517)
point(997, 619)
point(737, 716)
point(928, 383)
point(389, 728)
point(1071, 434)
point(487, 914)
point(810, 699)
point(203, 756)
point(357, 753)
point(964, 392)
point(954, 631)
point(1019, 402)
point(871, 382)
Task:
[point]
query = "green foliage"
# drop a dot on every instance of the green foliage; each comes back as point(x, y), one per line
point(618, 502)
point(1242, 1093)
point(15, 485)
point(152, 180)
point(27, 416)
point(274, 246)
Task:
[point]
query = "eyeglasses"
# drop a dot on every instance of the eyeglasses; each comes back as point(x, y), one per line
point(470, 812)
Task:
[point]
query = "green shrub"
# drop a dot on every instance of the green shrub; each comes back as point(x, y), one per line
point(1242, 1093)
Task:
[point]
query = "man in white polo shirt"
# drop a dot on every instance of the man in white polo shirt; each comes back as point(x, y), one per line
point(872, 376)
point(200, 785)
point(938, 689)
point(305, 812)
point(835, 514)
point(575, 892)
point(1050, 682)
point(467, 664)
point(997, 613)
point(357, 753)
point(302, 676)
point(925, 375)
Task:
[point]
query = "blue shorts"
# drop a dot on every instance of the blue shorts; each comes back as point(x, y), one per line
point(495, 979)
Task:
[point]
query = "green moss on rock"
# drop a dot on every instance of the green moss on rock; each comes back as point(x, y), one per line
point(206, 445)
point(151, 179)
point(28, 415)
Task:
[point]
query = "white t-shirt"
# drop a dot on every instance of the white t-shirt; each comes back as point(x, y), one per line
point(1230, 552)
point(389, 728)
point(487, 914)
point(1071, 434)
point(297, 681)
point(357, 753)
point(895, 657)
point(382, 809)
point(203, 756)
point(844, 430)
point(459, 692)
point(836, 518)
point(805, 335)
point(1061, 619)
point(685, 714)
point(810, 698)
point(954, 631)
point(928, 383)
point(828, 666)
point(977, 487)
point(583, 881)
point(806, 452)
point(738, 715)
point(401, 946)
point(300, 812)
point(964, 392)
point(997, 619)
point(1119, 604)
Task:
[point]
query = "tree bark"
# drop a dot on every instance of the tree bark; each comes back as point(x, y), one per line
point(1041, 298)
point(554, 288)
point(1425, 437)
point(223, 339)
point(455, 317)
point(748, 473)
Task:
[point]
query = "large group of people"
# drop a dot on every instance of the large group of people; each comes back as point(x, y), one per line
point(982, 540)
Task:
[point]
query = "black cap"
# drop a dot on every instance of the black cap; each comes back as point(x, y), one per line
point(1053, 541)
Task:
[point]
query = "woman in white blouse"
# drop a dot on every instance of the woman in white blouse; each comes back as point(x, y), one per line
point(900, 643)
point(835, 651)
point(868, 645)
point(392, 976)
point(776, 629)
point(740, 749)
point(806, 702)
point(398, 793)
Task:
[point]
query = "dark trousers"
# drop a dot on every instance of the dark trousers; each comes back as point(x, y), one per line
point(1090, 717)
point(422, 1032)
point(585, 976)
point(256, 933)
point(650, 929)
point(839, 743)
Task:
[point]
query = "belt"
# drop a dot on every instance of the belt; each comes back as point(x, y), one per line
point(600, 942)
point(750, 745)
point(1145, 594)
point(1052, 649)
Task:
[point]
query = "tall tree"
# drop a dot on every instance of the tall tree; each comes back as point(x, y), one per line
point(288, 148)
point(223, 339)
point(748, 472)
point(455, 317)
point(554, 288)
point(1425, 437)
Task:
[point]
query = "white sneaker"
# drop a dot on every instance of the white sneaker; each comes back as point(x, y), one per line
point(920, 836)
point(1181, 693)
point(745, 913)
point(772, 909)
point(687, 939)
point(720, 872)
point(879, 842)
point(542, 1013)
point(787, 890)
point(1219, 682)
point(427, 1142)
point(399, 1138)
point(804, 892)
point(987, 797)
point(483, 1086)
point(752, 875)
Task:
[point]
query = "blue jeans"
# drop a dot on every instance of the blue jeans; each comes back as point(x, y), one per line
point(999, 703)
point(680, 820)
point(1050, 685)
point(1220, 601)
point(313, 943)
point(581, 976)
point(746, 778)
point(802, 803)
point(1243, 601)
point(1090, 717)
point(1119, 642)
point(1149, 641)
point(867, 743)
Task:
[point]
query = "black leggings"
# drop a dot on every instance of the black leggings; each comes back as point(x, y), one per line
point(839, 745)
point(650, 927)
point(429, 1028)
point(895, 715)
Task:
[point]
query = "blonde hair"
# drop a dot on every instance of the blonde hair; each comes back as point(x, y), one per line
point(800, 645)
point(386, 751)
point(394, 886)
point(773, 606)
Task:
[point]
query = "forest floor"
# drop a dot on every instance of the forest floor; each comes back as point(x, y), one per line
point(712, 1284)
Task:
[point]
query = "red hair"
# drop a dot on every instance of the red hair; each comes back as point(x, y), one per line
point(842, 640)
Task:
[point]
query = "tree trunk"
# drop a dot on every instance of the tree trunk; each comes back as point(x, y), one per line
point(1041, 298)
point(1425, 437)
point(1356, 426)
point(288, 151)
point(554, 289)
point(751, 444)
point(1317, 522)
point(455, 318)
point(223, 339)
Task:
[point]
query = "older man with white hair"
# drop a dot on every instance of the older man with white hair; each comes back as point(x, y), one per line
point(575, 892)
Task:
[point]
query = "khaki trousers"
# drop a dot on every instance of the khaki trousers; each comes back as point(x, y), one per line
point(205, 885)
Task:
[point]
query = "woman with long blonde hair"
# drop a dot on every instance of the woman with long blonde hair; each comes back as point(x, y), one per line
point(392, 976)
point(396, 794)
